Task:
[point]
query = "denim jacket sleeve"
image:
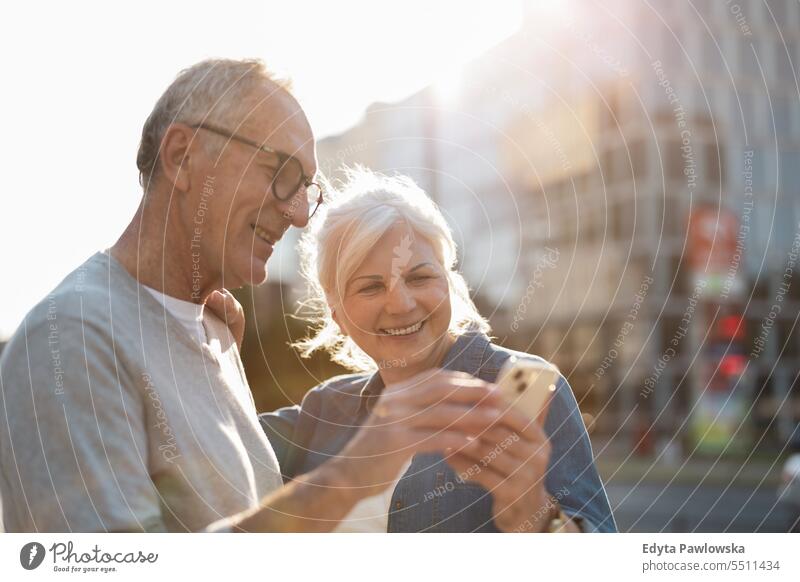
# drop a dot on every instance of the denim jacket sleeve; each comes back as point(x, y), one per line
point(291, 432)
point(572, 477)
point(279, 426)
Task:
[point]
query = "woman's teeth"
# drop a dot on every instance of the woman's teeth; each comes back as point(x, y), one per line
point(262, 234)
point(404, 330)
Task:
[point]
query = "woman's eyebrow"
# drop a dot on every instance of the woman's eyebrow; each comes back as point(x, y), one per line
point(380, 278)
point(420, 266)
point(373, 277)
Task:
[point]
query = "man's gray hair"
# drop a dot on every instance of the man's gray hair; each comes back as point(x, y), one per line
point(217, 91)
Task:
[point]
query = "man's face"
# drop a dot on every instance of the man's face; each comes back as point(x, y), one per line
point(236, 219)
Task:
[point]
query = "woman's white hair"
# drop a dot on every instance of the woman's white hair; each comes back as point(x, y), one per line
point(218, 91)
point(336, 242)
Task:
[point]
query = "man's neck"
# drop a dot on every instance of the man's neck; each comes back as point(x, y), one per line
point(156, 251)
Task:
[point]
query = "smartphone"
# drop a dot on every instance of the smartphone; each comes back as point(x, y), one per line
point(527, 384)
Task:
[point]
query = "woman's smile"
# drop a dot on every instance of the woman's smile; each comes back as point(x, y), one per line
point(406, 331)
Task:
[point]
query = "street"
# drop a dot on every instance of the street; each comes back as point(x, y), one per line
point(652, 507)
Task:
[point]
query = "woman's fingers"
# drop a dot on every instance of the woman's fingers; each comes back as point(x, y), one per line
point(436, 441)
point(520, 446)
point(505, 489)
point(437, 385)
point(406, 441)
point(529, 428)
point(465, 418)
point(509, 458)
point(225, 307)
point(466, 467)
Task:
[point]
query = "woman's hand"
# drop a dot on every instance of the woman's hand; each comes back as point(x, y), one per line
point(224, 305)
point(510, 460)
point(433, 411)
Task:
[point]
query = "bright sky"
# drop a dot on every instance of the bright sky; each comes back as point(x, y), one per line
point(82, 77)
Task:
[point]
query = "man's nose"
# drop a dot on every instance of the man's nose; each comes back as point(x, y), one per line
point(296, 209)
point(300, 218)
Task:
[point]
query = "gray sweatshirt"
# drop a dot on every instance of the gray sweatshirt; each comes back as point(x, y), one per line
point(113, 418)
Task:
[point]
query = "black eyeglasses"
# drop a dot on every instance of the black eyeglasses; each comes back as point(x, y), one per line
point(289, 176)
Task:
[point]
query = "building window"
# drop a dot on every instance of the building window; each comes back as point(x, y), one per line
point(638, 153)
point(761, 288)
point(609, 170)
point(622, 220)
point(779, 11)
point(714, 156)
point(784, 57)
point(675, 218)
point(673, 163)
point(794, 288)
point(677, 273)
point(748, 65)
point(669, 331)
point(785, 337)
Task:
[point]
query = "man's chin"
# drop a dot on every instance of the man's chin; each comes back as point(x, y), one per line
point(260, 281)
point(254, 275)
point(258, 274)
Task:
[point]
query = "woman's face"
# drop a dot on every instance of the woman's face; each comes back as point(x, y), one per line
point(396, 306)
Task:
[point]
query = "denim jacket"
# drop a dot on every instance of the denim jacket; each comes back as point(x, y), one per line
point(430, 497)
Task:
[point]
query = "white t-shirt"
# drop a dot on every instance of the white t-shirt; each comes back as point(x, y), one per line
point(202, 325)
point(371, 515)
point(189, 314)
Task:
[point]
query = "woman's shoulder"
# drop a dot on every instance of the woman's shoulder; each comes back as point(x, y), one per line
point(337, 399)
point(494, 356)
point(344, 383)
point(507, 353)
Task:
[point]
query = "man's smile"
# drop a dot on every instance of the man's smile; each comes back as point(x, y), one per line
point(270, 239)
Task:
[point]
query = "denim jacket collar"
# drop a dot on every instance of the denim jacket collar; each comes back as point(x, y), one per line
point(469, 353)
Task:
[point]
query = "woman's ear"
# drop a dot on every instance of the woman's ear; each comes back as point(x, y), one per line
point(336, 315)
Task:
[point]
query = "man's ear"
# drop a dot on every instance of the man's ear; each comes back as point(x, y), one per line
point(174, 156)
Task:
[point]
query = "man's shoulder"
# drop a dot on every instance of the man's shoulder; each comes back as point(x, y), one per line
point(80, 299)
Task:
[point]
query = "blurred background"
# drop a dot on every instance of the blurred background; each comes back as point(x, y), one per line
point(623, 181)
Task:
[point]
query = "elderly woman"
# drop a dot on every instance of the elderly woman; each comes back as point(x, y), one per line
point(389, 304)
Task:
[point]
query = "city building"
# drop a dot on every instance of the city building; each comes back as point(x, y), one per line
point(623, 181)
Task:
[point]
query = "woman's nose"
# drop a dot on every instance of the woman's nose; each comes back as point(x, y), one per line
point(399, 298)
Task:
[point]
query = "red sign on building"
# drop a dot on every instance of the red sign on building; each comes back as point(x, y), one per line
point(712, 239)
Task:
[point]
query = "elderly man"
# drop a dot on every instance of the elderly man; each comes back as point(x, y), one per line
point(124, 402)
